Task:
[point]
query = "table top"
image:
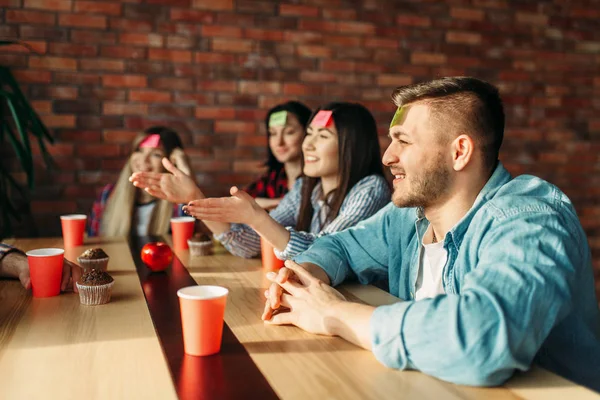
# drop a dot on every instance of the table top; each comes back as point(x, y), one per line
point(132, 348)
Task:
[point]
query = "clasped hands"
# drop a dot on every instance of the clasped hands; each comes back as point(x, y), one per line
point(296, 297)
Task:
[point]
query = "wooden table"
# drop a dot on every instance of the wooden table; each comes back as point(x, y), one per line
point(131, 348)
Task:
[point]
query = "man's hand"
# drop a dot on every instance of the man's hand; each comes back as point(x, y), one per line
point(239, 208)
point(310, 301)
point(15, 265)
point(174, 186)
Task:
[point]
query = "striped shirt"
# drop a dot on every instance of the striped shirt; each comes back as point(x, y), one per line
point(365, 198)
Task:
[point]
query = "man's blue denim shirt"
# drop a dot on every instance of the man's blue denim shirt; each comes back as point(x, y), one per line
point(519, 286)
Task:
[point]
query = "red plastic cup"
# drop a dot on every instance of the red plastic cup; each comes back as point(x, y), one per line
point(269, 259)
point(73, 227)
point(202, 311)
point(182, 228)
point(45, 270)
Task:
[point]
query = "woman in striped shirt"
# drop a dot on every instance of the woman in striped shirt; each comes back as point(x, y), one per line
point(342, 184)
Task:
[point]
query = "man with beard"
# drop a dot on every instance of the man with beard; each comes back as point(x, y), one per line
point(495, 272)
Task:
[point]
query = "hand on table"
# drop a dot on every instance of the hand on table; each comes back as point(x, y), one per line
point(310, 301)
point(19, 267)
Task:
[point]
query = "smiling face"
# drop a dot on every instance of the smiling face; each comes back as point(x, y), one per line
point(321, 152)
point(147, 159)
point(418, 160)
point(286, 141)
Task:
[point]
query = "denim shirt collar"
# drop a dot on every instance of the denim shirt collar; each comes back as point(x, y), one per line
point(499, 178)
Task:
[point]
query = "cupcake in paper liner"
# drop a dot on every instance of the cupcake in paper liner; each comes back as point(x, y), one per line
point(94, 258)
point(200, 245)
point(95, 287)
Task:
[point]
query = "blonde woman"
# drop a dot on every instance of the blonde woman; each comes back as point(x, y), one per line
point(123, 209)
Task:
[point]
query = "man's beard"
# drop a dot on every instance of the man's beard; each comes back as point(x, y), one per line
point(425, 188)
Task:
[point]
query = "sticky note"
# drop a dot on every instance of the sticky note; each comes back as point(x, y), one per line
point(151, 141)
point(322, 119)
point(278, 119)
point(397, 117)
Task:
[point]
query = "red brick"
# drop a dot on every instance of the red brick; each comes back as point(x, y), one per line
point(312, 76)
point(30, 17)
point(250, 115)
point(59, 121)
point(467, 13)
point(215, 113)
point(340, 14)
point(330, 65)
point(35, 46)
point(92, 150)
point(142, 39)
point(82, 21)
point(93, 37)
point(47, 33)
point(194, 98)
point(392, 80)
point(300, 89)
point(303, 37)
point(383, 43)
point(221, 31)
point(53, 63)
point(413, 20)
point(150, 96)
point(98, 7)
point(42, 106)
point(501, 4)
point(50, 5)
point(354, 28)
point(217, 86)
point(119, 136)
point(127, 53)
point(428, 58)
point(313, 51)
point(213, 58)
point(588, 47)
point(232, 45)
point(212, 4)
point(235, 127)
point(202, 17)
point(180, 42)
point(298, 10)
point(347, 41)
point(78, 50)
point(184, 84)
point(125, 80)
point(10, 3)
point(178, 56)
point(251, 140)
point(53, 206)
point(463, 37)
point(102, 65)
point(129, 25)
point(532, 19)
point(264, 34)
point(249, 87)
point(76, 78)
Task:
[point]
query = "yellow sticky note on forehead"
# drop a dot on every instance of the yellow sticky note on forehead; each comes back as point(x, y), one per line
point(278, 118)
point(397, 117)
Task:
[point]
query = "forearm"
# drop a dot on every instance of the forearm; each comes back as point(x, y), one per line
point(217, 227)
point(11, 264)
point(271, 230)
point(351, 321)
point(266, 203)
point(317, 272)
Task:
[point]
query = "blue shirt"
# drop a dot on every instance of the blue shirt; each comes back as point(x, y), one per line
point(363, 200)
point(518, 281)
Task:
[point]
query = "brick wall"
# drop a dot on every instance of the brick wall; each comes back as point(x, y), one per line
point(209, 68)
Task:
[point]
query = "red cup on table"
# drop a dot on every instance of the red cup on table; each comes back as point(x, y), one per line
point(202, 311)
point(73, 227)
point(269, 259)
point(182, 228)
point(45, 271)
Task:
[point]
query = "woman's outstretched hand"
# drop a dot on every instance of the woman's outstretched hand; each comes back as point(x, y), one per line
point(239, 208)
point(174, 185)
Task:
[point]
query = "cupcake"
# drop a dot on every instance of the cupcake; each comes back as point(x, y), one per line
point(94, 258)
point(200, 245)
point(95, 287)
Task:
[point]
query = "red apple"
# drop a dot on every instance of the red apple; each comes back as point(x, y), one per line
point(157, 256)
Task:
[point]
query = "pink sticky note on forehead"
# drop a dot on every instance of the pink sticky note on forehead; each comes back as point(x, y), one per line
point(151, 141)
point(322, 119)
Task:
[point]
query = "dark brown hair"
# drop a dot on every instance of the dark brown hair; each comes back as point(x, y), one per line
point(301, 112)
point(461, 105)
point(359, 156)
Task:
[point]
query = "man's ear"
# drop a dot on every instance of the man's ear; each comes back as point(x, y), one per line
point(462, 151)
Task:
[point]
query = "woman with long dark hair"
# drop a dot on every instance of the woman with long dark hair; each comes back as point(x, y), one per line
point(342, 184)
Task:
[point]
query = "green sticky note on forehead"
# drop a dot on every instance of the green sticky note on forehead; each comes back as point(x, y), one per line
point(278, 119)
point(397, 117)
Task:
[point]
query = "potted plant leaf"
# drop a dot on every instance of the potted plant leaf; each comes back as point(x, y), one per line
point(19, 126)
